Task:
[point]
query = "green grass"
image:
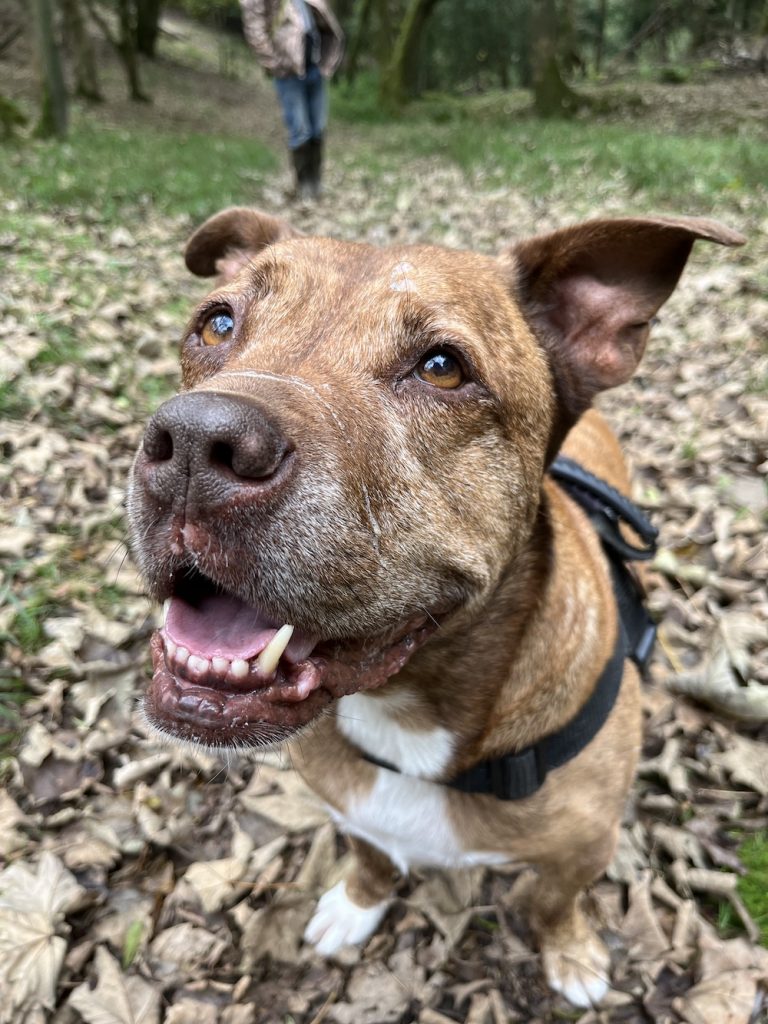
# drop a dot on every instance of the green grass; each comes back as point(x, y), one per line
point(107, 170)
point(13, 406)
point(26, 630)
point(583, 159)
point(666, 167)
point(13, 693)
point(752, 887)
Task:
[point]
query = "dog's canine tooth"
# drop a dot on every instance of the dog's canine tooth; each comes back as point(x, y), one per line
point(239, 668)
point(170, 649)
point(268, 660)
point(182, 655)
point(166, 606)
point(220, 666)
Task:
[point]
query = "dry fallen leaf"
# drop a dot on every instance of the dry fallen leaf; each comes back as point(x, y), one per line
point(116, 998)
point(217, 882)
point(731, 976)
point(640, 928)
point(693, 422)
point(32, 910)
point(722, 680)
point(745, 760)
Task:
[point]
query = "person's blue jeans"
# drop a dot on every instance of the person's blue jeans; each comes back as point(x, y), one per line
point(304, 105)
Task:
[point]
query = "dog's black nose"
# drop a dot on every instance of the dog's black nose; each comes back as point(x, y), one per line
point(204, 447)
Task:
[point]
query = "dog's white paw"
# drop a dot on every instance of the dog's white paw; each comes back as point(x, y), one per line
point(338, 921)
point(581, 973)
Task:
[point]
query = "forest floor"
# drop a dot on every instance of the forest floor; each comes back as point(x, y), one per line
point(145, 884)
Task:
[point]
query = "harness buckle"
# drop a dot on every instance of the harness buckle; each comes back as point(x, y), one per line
point(516, 776)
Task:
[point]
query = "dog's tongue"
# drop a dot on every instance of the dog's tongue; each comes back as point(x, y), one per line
point(225, 627)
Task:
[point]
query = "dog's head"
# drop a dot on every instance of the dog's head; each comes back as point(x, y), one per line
point(357, 452)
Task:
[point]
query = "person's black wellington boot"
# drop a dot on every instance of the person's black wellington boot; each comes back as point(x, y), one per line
point(316, 166)
point(302, 158)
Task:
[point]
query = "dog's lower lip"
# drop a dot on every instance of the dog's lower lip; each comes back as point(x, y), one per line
point(229, 717)
point(268, 711)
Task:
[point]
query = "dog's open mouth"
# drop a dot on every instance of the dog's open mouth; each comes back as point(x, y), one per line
point(227, 675)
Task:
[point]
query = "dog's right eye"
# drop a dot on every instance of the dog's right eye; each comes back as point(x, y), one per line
point(442, 369)
point(217, 329)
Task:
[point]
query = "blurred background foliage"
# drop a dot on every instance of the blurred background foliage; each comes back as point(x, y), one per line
point(411, 47)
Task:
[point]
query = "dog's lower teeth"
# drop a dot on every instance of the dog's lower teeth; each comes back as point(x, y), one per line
point(237, 669)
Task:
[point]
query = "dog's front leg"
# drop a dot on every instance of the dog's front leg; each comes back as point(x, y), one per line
point(350, 912)
point(575, 959)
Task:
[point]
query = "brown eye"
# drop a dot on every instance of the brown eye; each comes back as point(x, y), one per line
point(217, 329)
point(441, 369)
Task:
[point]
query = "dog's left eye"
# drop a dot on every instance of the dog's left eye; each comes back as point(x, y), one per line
point(441, 369)
point(217, 329)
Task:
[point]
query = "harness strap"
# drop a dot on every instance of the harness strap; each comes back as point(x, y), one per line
point(607, 508)
point(515, 776)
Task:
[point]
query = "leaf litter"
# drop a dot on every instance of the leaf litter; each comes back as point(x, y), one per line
point(143, 883)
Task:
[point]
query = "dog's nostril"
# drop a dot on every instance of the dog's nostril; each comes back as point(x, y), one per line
point(222, 454)
point(158, 445)
point(255, 457)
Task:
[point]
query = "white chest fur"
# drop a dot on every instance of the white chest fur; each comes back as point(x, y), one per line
point(404, 815)
point(370, 723)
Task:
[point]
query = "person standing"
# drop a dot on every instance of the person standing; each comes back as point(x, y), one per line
point(300, 44)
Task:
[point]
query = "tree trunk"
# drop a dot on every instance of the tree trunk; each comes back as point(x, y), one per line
point(399, 80)
point(127, 49)
point(53, 100)
point(655, 23)
point(147, 26)
point(502, 69)
point(385, 33)
point(359, 33)
point(570, 58)
point(124, 44)
point(81, 49)
point(600, 35)
point(551, 96)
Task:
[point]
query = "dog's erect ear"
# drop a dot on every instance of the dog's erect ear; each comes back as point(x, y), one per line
point(590, 292)
point(231, 238)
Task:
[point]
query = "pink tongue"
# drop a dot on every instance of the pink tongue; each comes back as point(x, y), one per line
point(220, 626)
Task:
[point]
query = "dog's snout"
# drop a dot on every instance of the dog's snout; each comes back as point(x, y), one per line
point(207, 444)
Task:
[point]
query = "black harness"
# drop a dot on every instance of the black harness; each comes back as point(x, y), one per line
point(514, 776)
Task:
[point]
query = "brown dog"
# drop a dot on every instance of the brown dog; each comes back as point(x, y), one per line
point(347, 512)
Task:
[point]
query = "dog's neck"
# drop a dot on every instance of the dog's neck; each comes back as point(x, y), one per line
point(527, 662)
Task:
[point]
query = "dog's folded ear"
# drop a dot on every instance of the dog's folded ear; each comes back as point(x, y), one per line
point(590, 292)
point(228, 240)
